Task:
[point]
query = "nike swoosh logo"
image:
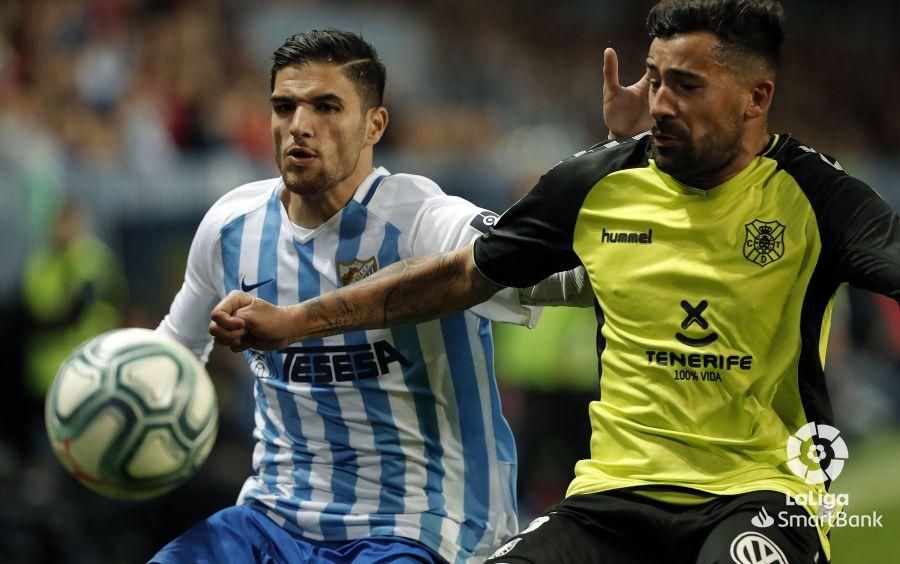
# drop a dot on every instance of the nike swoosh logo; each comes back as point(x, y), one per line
point(251, 287)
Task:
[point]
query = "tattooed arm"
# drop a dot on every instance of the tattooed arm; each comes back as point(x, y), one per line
point(410, 291)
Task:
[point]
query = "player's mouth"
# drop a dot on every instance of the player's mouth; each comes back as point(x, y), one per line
point(300, 156)
point(665, 140)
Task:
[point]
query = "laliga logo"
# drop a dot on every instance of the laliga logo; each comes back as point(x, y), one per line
point(822, 446)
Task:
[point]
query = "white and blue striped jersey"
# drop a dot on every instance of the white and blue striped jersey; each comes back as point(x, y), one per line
point(381, 432)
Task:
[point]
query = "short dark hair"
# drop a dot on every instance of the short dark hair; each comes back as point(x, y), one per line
point(333, 46)
point(753, 27)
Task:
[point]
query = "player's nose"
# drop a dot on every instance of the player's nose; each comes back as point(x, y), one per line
point(301, 123)
point(662, 103)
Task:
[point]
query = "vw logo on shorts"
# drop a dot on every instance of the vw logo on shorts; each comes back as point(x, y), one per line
point(755, 548)
point(816, 453)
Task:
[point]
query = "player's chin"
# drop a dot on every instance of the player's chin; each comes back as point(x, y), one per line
point(298, 182)
point(671, 159)
point(666, 158)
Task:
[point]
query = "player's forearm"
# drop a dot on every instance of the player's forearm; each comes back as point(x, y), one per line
point(410, 291)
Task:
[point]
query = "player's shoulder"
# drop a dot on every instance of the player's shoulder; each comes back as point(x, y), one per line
point(403, 194)
point(589, 166)
point(403, 187)
point(819, 175)
point(809, 166)
point(239, 202)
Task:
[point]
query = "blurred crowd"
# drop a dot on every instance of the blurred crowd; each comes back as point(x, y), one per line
point(121, 121)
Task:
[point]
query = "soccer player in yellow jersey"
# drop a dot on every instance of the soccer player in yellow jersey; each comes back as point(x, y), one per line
point(714, 249)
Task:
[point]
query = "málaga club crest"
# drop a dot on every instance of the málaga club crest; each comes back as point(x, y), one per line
point(356, 270)
point(765, 241)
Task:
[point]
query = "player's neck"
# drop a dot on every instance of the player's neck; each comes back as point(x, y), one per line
point(311, 211)
point(751, 147)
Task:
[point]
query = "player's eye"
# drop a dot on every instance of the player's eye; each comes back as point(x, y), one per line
point(654, 84)
point(689, 87)
point(282, 108)
point(327, 108)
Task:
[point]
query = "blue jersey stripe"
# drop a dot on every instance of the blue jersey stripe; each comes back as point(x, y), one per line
point(267, 267)
point(506, 444)
point(230, 244)
point(472, 433)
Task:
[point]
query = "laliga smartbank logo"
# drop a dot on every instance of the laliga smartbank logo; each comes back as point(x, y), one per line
point(816, 453)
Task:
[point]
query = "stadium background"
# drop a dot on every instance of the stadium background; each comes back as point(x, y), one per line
point(121, 121)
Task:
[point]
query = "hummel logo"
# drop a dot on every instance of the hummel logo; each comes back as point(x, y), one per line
point(250, 287)
point(644, 238)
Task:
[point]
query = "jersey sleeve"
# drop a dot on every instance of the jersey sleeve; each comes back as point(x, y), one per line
point(864, 236)
point(188, 319)
point(533, 239)
point(570, 288)
point(446, 223)
point(860, 232)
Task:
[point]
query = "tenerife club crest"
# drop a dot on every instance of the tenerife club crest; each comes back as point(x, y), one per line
point(765, 241)
point(356, 270)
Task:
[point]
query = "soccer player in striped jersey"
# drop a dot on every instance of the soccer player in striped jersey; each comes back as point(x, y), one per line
point(376, 444)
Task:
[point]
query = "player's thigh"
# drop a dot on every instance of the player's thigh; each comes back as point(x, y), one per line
point(561, 539)
point(746, 535)
point(234, 534)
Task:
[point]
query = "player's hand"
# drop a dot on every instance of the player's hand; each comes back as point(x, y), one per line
point(243, 322)
point(626, 110)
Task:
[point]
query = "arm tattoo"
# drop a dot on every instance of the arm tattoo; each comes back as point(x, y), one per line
point(413, 290)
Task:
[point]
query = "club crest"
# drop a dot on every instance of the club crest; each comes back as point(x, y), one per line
point(356, 270)
point(765, 242)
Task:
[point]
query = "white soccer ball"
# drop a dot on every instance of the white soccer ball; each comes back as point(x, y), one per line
point(131, 414)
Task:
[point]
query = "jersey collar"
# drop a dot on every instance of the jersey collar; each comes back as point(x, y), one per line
point(362, 195)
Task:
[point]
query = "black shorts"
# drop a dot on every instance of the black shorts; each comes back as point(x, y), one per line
point(622, 527)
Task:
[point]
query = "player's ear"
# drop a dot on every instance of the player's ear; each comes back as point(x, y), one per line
point(763, 90)
point(376, 123)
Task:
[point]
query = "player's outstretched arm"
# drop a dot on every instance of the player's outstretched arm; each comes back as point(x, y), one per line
point(410, 291)
point(626, 109)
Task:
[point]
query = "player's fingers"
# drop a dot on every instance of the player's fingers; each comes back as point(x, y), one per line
point(227, 321)
point(234, 301)
point(250, 314)
point(610, 72)
point(226, 337)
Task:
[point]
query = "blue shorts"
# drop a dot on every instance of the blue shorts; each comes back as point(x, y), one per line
point(242, 534)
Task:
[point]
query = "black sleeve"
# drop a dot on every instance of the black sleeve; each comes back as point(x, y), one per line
point(533, 239)
point(860, 232)
point(865, 236)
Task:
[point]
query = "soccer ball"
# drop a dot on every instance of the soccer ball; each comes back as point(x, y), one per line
point(131, 414)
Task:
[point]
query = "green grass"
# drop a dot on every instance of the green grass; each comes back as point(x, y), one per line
point(871, 477)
